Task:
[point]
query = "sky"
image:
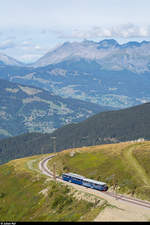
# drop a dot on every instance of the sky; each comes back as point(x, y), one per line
point(31, 28)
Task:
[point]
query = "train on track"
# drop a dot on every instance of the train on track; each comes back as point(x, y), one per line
point(81, 180)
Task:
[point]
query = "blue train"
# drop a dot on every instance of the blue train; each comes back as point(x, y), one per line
point(81, 180)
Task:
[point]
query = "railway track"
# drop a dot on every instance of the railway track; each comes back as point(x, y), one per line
point(45, 170)
point(128, 199)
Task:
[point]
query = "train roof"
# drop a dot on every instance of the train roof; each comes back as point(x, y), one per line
point(74, 175)
point(94, 181)
point(84, 178)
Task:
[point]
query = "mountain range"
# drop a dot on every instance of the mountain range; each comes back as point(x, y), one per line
point(133, 56)
point(105, 72)
point(111, 55)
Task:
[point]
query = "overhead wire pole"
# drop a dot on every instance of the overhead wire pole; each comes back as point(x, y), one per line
point(54, 164)
point(115, 185)
point(113, 177)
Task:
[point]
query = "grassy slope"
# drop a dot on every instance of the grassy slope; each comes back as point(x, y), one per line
point(133, 162)
point(21, 184)
point(21, 198)
point(128, 162)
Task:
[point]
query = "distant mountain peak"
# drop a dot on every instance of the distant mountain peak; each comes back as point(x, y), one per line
point(134, 44)
point(145, 42)
point(131, 44)
point(87, 42)
point(106, 43)
point(108, 53)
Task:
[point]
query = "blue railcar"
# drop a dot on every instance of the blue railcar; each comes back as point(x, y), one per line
point(81, 180)
point(73, 178)
point(98, 185)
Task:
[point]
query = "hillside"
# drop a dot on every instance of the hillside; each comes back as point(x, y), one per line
point(106, 127)
point(24, 145)
point(27, 195)
point(29, 109)
point(126, 164)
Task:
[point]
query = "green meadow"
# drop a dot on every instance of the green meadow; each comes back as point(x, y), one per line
point(27, 195)
point(127, 165)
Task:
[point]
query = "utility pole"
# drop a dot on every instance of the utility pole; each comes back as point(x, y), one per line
point(54, 171)
point(116, 181)
point(54, 164)
point(115, 185)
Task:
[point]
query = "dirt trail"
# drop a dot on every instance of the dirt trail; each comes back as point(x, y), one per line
point(135, 164)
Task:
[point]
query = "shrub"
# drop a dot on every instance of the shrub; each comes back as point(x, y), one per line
point(2, 195)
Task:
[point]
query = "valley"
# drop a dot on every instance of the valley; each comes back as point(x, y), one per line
point(29, 109)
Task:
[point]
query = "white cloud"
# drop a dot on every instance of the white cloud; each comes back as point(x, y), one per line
point(38, 48)
point(26, 43)
point(29, 47)
point(7, 44)
point(121, 31)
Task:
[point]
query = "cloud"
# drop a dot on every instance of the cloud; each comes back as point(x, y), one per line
point(121, 31)
point(7, 44)
point(30, 47)
point(130, 31)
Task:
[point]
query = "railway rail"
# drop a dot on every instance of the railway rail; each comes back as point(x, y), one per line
point(128, 199)
point(45, 170)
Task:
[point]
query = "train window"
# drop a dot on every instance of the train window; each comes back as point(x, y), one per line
point(86, 182)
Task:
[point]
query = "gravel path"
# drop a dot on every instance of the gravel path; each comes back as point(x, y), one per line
point(125, 211)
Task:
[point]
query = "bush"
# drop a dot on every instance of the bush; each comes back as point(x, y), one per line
point(2, 195)
point(59, 200)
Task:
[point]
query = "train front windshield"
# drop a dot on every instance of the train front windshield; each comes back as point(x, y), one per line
point(105, 187)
